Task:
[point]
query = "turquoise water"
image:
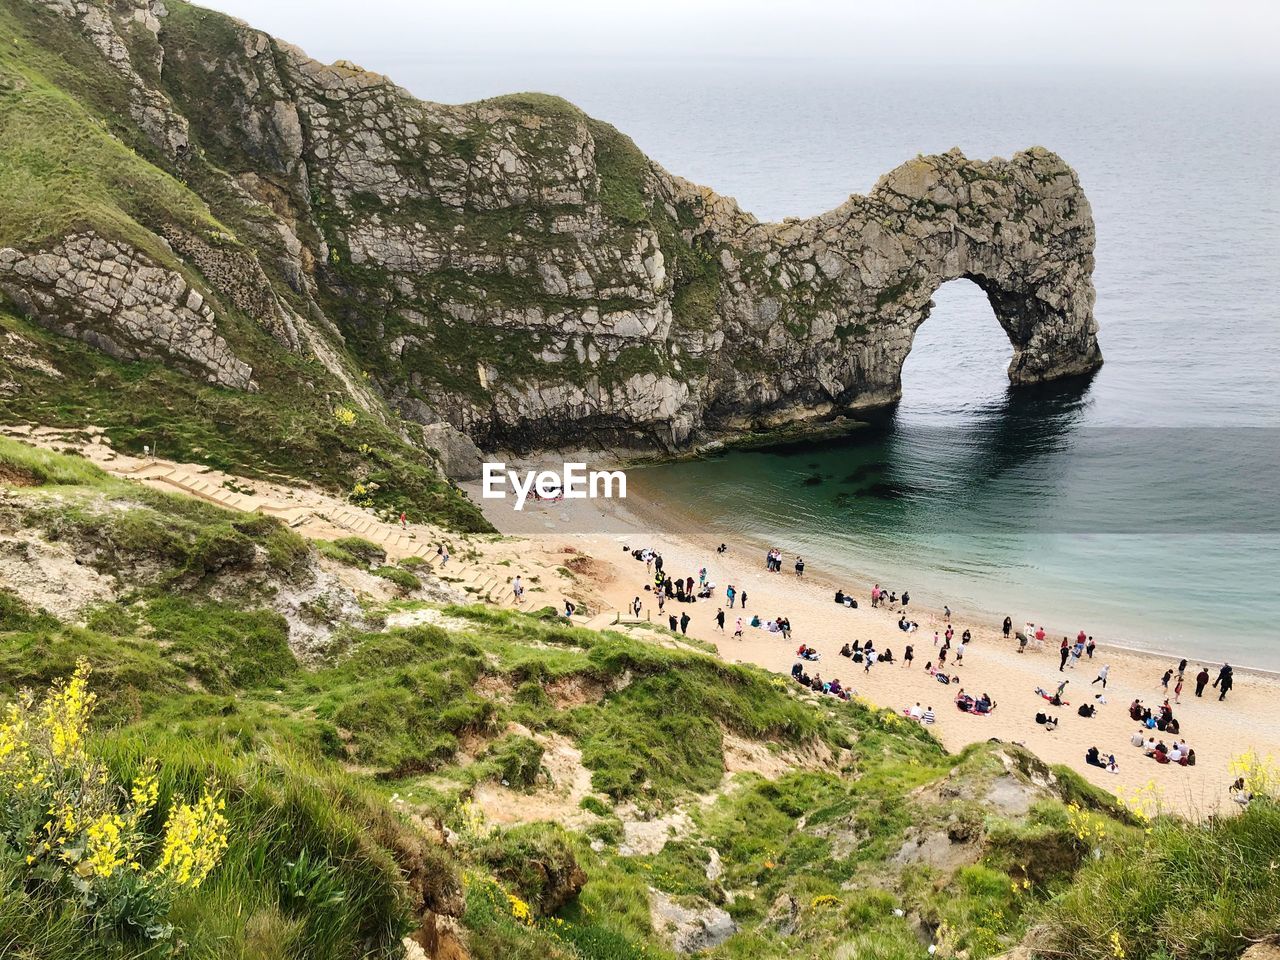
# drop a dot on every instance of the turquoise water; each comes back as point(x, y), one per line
point(1140, 504)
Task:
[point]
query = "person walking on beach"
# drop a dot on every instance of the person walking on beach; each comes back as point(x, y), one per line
point(946, 613)
point(1224, 681)
point(730, 593)
point(737, 631)
point(1164, 681)
point(875, 595)
point(1007, 626)
point(800, 567)
point(1089, 648)
point(1063, 653)
point(636, 606)
point(720, 619)
point(742, 600)
point(1177, 690)
point(960, 653)
point(662, 600)
point(1202, 680)
point(1102, 675)
point(684, 622)
point(908, 655)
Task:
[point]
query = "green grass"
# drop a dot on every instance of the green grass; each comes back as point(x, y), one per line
point(61, 167)
point(1183, 891)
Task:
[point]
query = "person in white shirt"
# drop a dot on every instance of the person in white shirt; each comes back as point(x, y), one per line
point(916, 712)
point(1137, 739)
point(1175, 754)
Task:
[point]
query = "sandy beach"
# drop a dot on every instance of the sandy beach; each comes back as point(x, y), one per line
point(1248, 720)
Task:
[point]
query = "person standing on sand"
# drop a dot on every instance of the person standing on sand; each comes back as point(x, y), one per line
point(720, 619)
point(517, 588)
point(1224, 681)
point(1064, 653)
point(960, 653)
point(636, 606)
point(875, 595)
point(946, 613)
point(1164, 681)
point(684, 622)
point(1202, 680)
point(1102, 675)
point(672, 622)
point(800, 567)
point(1177, 690)
point(1007, 626)
point(742, 600)
point(662, 600)
point(730, 593)
point(1089, 648)
point(906, 598)
point(908, 655)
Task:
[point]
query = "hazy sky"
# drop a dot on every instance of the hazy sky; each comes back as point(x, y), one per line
point(1191, 35)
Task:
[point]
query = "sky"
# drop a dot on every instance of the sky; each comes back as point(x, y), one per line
point(1194, 36)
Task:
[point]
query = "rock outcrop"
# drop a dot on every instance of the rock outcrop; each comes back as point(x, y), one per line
point(117, 299)
point(523, 274)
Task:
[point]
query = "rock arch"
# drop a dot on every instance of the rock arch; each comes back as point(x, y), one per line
point(842, 294)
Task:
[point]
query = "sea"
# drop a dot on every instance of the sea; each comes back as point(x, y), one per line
point(1139, 504)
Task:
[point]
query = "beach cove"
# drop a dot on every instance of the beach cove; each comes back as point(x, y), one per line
point(1247, 721)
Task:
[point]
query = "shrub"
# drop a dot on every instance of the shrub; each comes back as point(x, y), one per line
point(81, 836)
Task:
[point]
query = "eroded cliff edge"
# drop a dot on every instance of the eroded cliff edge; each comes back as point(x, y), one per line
point(512, 267)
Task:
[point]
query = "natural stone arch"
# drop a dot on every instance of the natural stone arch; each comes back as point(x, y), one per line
point(821, 313)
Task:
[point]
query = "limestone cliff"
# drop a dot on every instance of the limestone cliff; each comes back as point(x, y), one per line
point(513, 267)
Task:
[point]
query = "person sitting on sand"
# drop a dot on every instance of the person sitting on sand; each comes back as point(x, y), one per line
point(1135, 710)
point(1086, 710)
point(839, 596)
point(1240, 793)
point(1051, 724)
point(915, 713)
point(755, 619)
point(984, 704)
point(1112, 766)
point(1138, 739)
point(927, 717)
point(964, 702)
point(1175, 754)
point(887, 656)
point(1092, 758)
point(845, 651)
point(797, 668)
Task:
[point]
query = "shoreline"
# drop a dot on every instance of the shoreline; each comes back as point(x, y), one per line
point(645, 511)
point(1219, 731)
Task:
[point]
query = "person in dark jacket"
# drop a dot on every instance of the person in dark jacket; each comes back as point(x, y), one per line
point(1224, 681)
point(1202, 680)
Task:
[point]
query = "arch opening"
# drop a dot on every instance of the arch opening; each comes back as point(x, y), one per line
point(959, 357)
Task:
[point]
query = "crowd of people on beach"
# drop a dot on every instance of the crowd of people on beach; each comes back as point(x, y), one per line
point(949, 650)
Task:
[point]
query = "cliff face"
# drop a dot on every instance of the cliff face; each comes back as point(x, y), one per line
point(516, 269)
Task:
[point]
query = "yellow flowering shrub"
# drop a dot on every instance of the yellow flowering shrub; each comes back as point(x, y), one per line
point(81, 834)
point(1261, 773)
point(344, 415)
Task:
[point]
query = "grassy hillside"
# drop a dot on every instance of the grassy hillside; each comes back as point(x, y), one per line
point(72, 159)
point(363, 792)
